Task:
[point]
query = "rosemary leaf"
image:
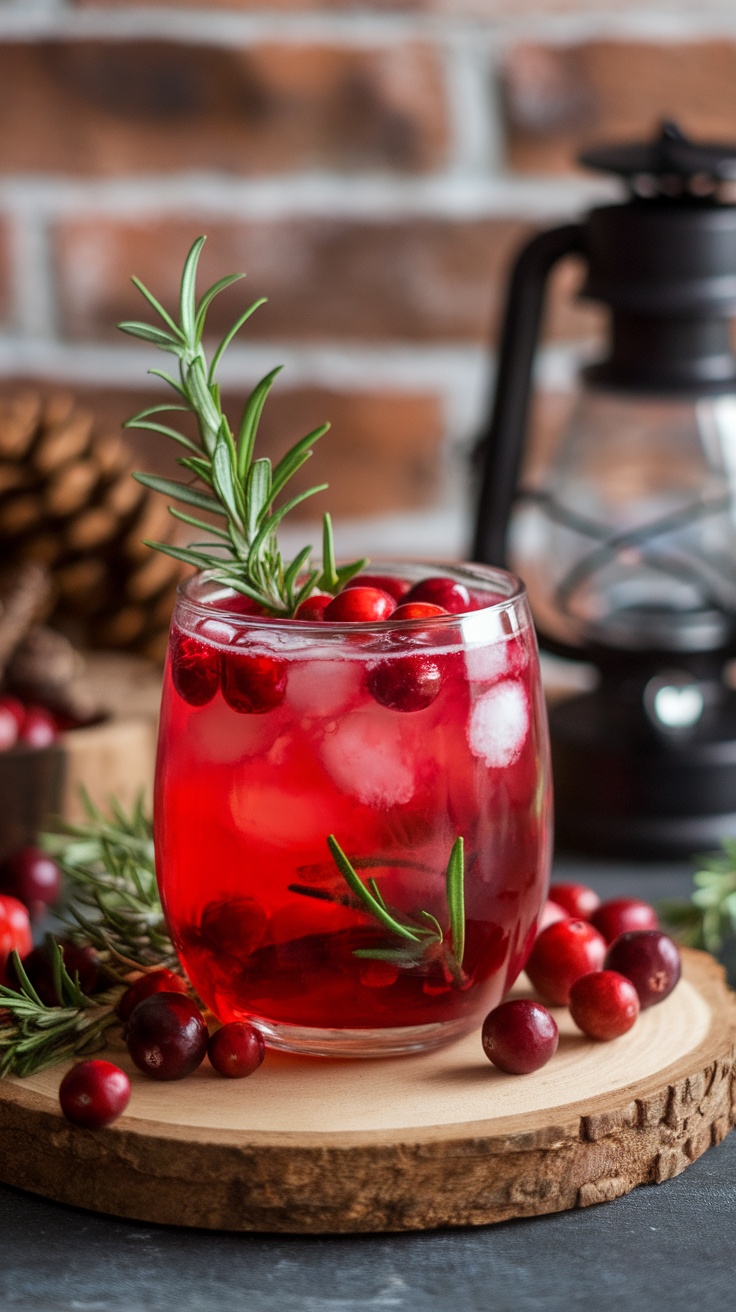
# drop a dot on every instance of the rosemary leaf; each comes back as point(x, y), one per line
point(455, 888)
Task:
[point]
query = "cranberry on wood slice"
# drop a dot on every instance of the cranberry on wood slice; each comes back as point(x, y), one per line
point(622, 914)
point(166, 1036)
point(418, 610)
point(252, 684)
point(236, 1050)
point(520, 1036)
point(94, 1093)
point(38, 728)
point(155, 981)
point(604, 1004)
point(31, 875)
point(551, 913)
point(577, 900)
point(82, 962)
point(313, 608)
point(650, 960)
point(15, 932)
point(235, 927)
point(195, 668)
point(15, 708)
point(395, 587)
point(453, 597)
point(561, 954)
point(360, 606)
point(9, 724)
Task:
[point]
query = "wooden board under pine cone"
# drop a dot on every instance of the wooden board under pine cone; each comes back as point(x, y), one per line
point(407, 1143)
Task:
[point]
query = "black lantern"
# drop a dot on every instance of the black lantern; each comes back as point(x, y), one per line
point(629, 546)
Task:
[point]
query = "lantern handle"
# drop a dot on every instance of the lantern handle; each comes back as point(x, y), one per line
point(502, 443)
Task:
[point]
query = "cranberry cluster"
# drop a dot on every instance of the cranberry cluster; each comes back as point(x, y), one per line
point(30, 726)
point(605, 961)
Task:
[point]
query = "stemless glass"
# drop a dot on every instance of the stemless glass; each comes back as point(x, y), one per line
point(395, 737)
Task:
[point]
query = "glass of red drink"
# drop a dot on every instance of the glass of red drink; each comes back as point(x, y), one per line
point(392, 740)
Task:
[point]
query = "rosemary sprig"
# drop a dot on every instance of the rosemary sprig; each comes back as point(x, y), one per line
point(710, 916)
point(421, 935)
point(232, 484)
point(34, 1036)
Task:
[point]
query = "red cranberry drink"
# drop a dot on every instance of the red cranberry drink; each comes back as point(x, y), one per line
point(352, 811)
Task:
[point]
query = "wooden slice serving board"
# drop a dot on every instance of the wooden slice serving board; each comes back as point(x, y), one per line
point(409, 1143)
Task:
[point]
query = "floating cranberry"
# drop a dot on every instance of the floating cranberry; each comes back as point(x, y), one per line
point(604, 1004)
point(417, 610)
point(405, 683)
point(195, 668)
point(396, 588)
point(166, 1036)
point(80, 962)
point(154, 981)
point(622, 914)
point(32, 876)
point(551, 913)
point(239, 604)
point(10, 723)
point(561, 954)
point(252, 684)
point(38, 728)
point(451, 596)
point(360, 606)
point(650, 960)
point(313, 608)
point(577, 900)
point(235, 927)
point(94, 1093)
point(519, 1036)
point(236, 1050)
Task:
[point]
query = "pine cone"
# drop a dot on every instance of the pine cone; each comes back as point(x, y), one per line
point(68, 502)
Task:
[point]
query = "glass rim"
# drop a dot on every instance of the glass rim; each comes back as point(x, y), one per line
point(486, 574)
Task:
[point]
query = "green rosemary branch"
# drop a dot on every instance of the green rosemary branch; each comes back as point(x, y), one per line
point(233, 486)
point(710, 916)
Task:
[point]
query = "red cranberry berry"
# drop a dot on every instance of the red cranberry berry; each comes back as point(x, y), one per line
point(253, 685)
point(405, 683)
point(313, 608)
point(561, 954)
point(32, 876)
point(195, 668)
point(155, 981)
point(38, 728)
point(621, 914)
point(360, 606)
point(236, 1050)
point(166, 1036)
point(551, 913)
point(451, 596)
point(577, 900)
point(10, 722)
point(15, 933)
point(519, 1036)
point(417, 610)
point(80, 962)
point(649, 959)
point(396, 588)
point(94, 1093)
point(604, 1004)
point(235, 927)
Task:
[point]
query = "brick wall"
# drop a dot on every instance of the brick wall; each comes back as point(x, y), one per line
point(371, 165)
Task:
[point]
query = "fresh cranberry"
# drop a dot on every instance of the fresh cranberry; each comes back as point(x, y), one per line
point(519, 1036)
point(195, 668)
point(9, 725)
point(417, 610)
point(166, 1036)
point(360, 606)
point(94, 1093)
point(453, 597)
point(551, 913)
point(577, 900)
point(33, 877)
point(235, 927)
point(15, 932)
point(313, 608)
point(154, 981)
point(405, 683)
point(604, 1004)
point(80, 962)
point(649, 959)
point(621, 914)
point(236, 1050)
point(15, 708)
point(38, 728)
point(239, 604)
point(561, 954)
point(251, 684)
point(396, 588)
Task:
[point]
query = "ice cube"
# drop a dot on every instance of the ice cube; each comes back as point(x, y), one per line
point(367, 757)
point(323, 688)
point(499, 723)
point(486, 664)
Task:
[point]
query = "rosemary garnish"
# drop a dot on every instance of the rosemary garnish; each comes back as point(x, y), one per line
point(709, 918)
point(233, 485)
point(421, 935)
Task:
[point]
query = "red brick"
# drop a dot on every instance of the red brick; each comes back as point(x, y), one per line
point(96, 107)
point(382, 454)
point(561, 98)
point(414, 280)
